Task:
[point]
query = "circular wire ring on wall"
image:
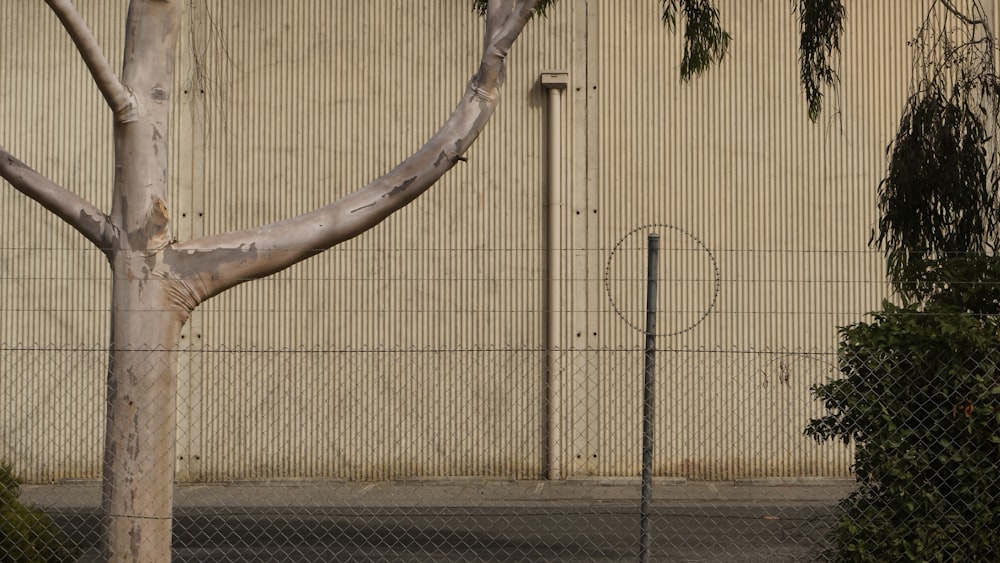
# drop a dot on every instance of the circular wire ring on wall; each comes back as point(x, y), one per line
point(717, 281)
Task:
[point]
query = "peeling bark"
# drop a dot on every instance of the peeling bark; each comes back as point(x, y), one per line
point(147, 314)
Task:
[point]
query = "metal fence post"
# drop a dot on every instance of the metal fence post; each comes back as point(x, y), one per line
point(647, 397)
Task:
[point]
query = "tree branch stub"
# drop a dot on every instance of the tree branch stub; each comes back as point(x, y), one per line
point(80, 214)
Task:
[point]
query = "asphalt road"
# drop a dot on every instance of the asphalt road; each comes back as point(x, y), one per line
point(482, 521)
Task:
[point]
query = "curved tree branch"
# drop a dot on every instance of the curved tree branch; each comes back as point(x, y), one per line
point(118, 97)
point(962, 16)
point(71, 208)
point(216, 263)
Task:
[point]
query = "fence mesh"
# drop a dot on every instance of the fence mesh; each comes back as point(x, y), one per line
point(371, 455)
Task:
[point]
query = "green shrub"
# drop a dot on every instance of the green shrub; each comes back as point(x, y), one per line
point(28, 535)
point(920, 399)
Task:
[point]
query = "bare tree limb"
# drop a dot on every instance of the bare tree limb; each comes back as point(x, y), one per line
point(960, 15)
point(118, 97)
point(71, 208)
point(216, 263)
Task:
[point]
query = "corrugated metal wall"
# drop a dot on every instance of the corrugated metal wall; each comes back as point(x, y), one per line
point(54, 293)
point(729, 161)
point(303, 108)
point(282, 107)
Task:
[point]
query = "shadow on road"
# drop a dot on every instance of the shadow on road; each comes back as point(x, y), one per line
point(602, 533)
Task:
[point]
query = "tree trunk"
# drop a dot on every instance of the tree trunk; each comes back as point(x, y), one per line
point(146, 317)
point(140, 433)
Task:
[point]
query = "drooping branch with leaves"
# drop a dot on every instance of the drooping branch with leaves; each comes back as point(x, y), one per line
point(939, 200)
point(821, 24)
point(705, 42)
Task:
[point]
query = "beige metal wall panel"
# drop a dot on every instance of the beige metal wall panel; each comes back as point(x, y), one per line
point(52, 415)
point(785, 207)
point(405, 418)
point(283, 107)
point(54, 279)
point(53, 295)
point(302, 115)
point(307, 101)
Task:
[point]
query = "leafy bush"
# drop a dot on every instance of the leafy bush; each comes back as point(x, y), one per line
point(28, 535)
point(920, 399)
point(968, 283)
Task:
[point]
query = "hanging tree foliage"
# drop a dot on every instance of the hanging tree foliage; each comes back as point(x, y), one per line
point(821, 24)
point(938, 201)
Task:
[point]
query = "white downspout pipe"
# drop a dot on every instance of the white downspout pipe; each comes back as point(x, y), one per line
point(554, 82)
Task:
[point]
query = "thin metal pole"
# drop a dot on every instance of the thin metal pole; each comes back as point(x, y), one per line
point(555, 82)
point(647, 397)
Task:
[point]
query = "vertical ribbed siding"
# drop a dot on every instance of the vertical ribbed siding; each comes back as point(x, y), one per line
point(305, 101)
point(321, 98)
point(57, 288)
point(313, 115)
point(785, 206)
point(54, 290)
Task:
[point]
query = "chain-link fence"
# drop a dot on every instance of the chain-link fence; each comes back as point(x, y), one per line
point(432, 425)
point(443, 455)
